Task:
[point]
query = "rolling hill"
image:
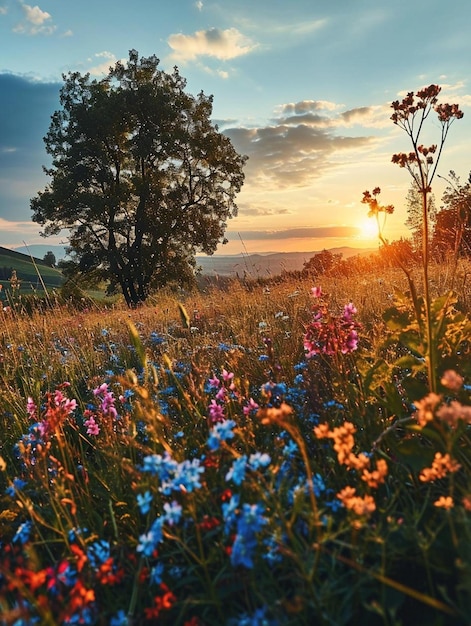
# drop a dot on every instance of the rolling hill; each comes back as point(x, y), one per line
point(27, 269)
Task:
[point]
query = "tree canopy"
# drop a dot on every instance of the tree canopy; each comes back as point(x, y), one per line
point(141, 177)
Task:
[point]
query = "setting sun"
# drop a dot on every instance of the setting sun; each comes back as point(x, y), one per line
point(368, 229)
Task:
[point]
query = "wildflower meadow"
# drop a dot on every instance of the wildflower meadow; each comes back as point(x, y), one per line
point(257, 455)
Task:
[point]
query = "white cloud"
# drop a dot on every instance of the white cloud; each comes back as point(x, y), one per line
point(214, 42)
point(36, 22)
point(302, 145)
point(67, 33)
point(102, 68)
point(3, 10)
point(199, 5)
point(325, 114)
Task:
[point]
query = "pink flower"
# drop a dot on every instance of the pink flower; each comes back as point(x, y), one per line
point(252, 406)
point(216, 411)
point(31, 408)
point(92, 426)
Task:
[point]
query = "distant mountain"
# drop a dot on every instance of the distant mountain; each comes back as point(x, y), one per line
point(254, 265)
point(266, 265)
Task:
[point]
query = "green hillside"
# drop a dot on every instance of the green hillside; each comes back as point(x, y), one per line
point(26, 271)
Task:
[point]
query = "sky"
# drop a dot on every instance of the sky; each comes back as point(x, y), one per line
point(303, 87)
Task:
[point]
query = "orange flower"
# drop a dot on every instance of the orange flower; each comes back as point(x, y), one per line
point(376, 477)
point(441, 466)
point(452, 380)
point(426, 408)
point(322, 431)
point(444, 502)
point(357, 504)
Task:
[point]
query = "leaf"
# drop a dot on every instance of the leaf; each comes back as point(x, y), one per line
point(413, 453)
point(137, 344)
point(184, 315)
point(396, 319)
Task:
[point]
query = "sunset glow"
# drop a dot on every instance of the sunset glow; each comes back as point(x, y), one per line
point(296, 89)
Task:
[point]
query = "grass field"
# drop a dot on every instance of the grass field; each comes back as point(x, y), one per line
point(259, 455)
point(32, 273)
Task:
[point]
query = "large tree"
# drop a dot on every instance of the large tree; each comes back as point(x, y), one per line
point(141, 178)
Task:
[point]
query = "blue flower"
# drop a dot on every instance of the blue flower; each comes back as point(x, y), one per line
point(148, 541)
point(173, 512)
point(120, 619)
point(144, 501)
point(259, 459)
point(23, 533)
point(243, 550)
point(222, 431)
point(155, 575)
point(259, 618)
point(98, 552)
point(249, 522)
point(17, 485)
point(229, 512)
point(237, 471)
point(155, 338)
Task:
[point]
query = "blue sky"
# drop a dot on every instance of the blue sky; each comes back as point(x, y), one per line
point(302, 86)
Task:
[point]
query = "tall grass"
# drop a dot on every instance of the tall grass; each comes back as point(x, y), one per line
point(196, 468)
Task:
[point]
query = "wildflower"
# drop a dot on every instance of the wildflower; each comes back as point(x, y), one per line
point(17, 485)
point(155, 575)
point(144, 501)
point(221, 431)
point(229, 512)
point(23, 533)
point(441, 466)
point(107, 400)
point(243, 550)
point(453, 413)
point(216, 411)
point(173, 513)
point(119, 619)
point(258, 459)
point(31, 408)
point(426, 408)
point(444, 502)
point(148, 541)
point(98, 552)
point(187, 476)
point(355, 503)
point(452, 380)
point(214, 382)
point(237, 471)
point(227, 376)
point(250, 407)
point(92, 426)
point(466, 501)
point(377, 476)
point(249, 522)
point(329, 334)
